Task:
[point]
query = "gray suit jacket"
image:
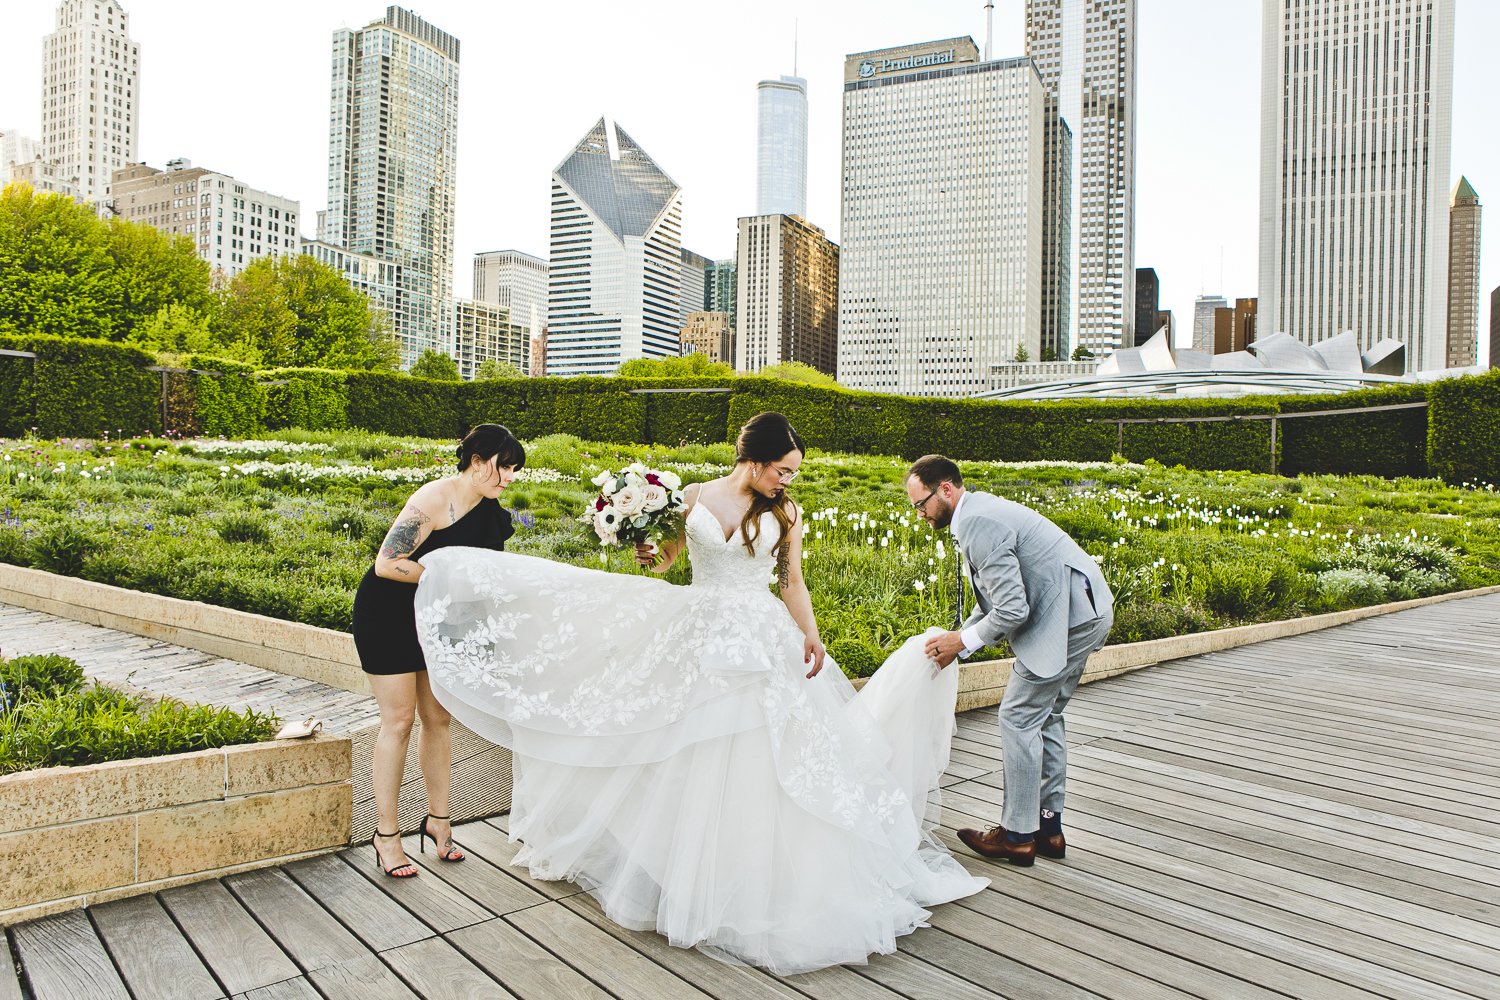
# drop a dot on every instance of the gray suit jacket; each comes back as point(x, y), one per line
point(1020, 565)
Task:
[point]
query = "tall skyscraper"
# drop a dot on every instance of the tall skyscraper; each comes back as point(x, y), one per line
point(694, 283)
point(941, 266)
point(1147, 304)
point(1463, 276)
point(781, 147)
point(722, 284)
point(1085, 51)
point(788, 274)
point(91, 93)
point(1495, 327)
point(1234, 329)
point(482, 331)
point(1057, 231)
point(516, 281)
point(615, 274)
point(1203, 321)
point(231, 224)
point(392, 165)
point(1356, 114)
point(709, 334)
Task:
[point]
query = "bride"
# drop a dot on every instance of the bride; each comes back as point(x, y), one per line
point(683, 754)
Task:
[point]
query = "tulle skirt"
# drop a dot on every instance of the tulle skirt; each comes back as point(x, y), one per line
point(671, 757)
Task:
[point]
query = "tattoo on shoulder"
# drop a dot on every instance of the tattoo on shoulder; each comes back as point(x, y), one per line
point(401, 540)
point(784, 568)
point(452, 514)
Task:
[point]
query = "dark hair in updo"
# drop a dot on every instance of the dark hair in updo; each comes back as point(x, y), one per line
point(487, 441)
point(765, 438)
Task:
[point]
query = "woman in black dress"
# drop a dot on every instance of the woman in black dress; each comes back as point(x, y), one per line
point(461, 509)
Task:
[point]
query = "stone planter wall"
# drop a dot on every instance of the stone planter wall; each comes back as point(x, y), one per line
point(74, 836)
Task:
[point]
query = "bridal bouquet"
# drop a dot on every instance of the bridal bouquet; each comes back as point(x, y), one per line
point(636, 504)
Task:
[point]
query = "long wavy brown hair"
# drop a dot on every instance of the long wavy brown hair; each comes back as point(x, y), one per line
point(765, 438)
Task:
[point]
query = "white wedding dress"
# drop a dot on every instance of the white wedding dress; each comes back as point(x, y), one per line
point(671, 757)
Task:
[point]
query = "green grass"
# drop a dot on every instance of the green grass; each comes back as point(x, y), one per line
point(287, 526)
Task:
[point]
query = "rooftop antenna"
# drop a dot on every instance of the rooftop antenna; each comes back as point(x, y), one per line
point(796, 24)
point(989, 28)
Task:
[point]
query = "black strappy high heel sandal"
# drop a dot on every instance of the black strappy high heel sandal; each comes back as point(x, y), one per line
point(395, 871)
point(452, 854)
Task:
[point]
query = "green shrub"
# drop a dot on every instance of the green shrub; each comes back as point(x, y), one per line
point(1143, 620)
point(1463, 429)
point(230, 402)
point(1244, 590)
point(243, 528)
point(856, 657)
point(83, 388)
point(310, 398)
point(42, 675)
point(62, 549)
point(392, 403)
point(1339, 589)
point(17, 393)
point(1390, 443)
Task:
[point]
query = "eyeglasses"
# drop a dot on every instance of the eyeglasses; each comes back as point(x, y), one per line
point(921, 505)
point(786, 475)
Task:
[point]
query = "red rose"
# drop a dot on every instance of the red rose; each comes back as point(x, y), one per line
point(600, 504)
point(651, 478)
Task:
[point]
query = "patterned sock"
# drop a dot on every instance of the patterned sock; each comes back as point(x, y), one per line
point(1051, 823)
point(1019, 838)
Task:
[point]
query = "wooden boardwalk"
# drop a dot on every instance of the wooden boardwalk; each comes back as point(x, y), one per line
point(1314, 817)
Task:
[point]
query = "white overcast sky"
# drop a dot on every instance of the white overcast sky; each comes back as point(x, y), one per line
point(242, 87)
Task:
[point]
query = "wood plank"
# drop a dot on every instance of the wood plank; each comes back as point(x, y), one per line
point(598, 955)
point(1082, 970)
point(302, 928)
point(430, 900)
point(719, 979)
point(10, 979)
point(362, 978)
point(150, 951)
point(291, 989)
point(521, 965)
point(369, 914)
point(63, 957)
point(912, 977)
point(482, 882)
point(240, 955)
point(991, 970)
point(434, 969)
point(493, 844)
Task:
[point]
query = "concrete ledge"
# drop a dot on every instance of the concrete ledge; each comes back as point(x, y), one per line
point(316, 654)
point(73, 836)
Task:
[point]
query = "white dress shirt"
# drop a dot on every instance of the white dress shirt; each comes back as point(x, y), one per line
point(970, 635)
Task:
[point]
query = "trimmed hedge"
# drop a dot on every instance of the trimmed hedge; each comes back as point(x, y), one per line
point(392, 403)
point(1463, 429)
point(314, 399)
point(229, 403)
point(1389, 444)
point(80, 387)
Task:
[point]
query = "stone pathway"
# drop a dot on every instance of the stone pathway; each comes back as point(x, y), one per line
point(131, 662)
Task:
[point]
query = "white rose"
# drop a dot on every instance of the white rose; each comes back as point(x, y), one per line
point(670, 480)
point(638, 469)
point(628, 500)
point(606, 483)
point(654, 498)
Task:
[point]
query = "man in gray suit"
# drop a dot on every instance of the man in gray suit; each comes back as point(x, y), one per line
point(1035, 587)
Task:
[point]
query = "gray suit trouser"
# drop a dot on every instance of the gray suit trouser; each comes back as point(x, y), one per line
point(1033, 735)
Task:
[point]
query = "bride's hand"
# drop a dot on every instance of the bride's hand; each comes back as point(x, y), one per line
point(813, 652)
point(646, 554)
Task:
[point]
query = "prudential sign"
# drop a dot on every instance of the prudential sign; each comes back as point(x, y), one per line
point(875, 67)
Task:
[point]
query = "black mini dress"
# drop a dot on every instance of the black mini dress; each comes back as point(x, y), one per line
point(385, 620)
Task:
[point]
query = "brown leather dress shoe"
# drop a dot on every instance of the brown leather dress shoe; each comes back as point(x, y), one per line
point(994, 844)
point(1051, 845)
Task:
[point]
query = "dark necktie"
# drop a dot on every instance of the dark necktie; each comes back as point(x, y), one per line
point(958, 561)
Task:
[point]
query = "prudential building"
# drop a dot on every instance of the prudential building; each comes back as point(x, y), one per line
point(941, 266)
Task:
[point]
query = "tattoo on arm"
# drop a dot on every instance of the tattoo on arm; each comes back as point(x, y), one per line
point(401, 540)
point(402, 570)
point(784, 568)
